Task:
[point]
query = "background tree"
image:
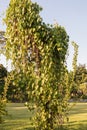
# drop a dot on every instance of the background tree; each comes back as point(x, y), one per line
point(38, 52)
point(81, 74)
point(81, 80)
point(3, 75)
point(17, 92)
point(79, 86)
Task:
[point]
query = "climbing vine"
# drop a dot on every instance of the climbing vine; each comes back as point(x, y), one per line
point(38, 52)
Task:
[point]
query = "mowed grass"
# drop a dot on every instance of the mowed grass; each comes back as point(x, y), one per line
point(20, 118)
point(78, 117)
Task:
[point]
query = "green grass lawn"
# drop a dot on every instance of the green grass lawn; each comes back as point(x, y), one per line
point(19, 118)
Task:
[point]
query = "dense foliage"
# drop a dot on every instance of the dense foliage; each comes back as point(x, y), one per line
point(38, 52)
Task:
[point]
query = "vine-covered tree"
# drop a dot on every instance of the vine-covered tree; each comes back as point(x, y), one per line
point(38, 52)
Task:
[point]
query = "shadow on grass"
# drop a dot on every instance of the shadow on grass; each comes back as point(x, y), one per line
point(74, 127)
point(82, 125)
point(78, 127)
point(84, 111)
point(30, 128)
point(82, 108)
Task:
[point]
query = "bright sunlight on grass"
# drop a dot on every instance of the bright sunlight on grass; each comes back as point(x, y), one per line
point(19, 118)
